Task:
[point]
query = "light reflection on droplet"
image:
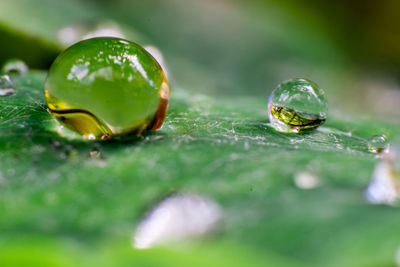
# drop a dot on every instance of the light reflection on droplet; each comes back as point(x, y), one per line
point(177, 218)
point(306, 180)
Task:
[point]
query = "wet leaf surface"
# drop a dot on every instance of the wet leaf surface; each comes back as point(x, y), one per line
point(63, 204)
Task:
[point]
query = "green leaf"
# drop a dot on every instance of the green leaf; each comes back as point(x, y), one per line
point(61, 207)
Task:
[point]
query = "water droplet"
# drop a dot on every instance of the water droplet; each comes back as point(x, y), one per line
point(296, 106)
point(177, 218)
point(7, 86)
point(95, 153)
point(377, 143)
point(384, 187)
point(15, 66)
point(306, 180)
point(125, 90)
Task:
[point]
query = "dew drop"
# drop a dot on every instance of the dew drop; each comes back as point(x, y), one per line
point(305, 180)
point(85, 106)
point(7, 86)
point(177, 218)
point(384, 187)
point(95, 153)
point(297, 105)
point(377, 143)
point(15, 66)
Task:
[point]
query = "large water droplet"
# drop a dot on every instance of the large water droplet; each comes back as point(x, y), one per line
point(15, 66)
point(296, 106)
point(177, 218)
point(377, 143)
point(7, 86)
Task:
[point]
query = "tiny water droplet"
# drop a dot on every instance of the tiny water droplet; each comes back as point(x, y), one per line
point(15, 66)
point(297, 105)
point(177, 218)
point(305, 180)
point(7, 86)
point(95, 153)
point(377, 143)
point(384, 187)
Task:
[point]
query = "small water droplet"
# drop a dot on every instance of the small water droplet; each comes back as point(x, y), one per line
point(297, 105)
point(377, 143)
point(91, 137)
point(95, 153)
point(306, 180)
point(384, 187)
point(7, 86)
point(15, 66)
point(177, 218)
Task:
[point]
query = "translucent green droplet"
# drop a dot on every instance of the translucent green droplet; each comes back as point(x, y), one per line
point(377, 143)
point(7, 86)
point(15, 66)
point(103, 87)
point(297, 105)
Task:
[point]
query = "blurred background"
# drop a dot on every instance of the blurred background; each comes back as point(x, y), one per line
point(232, 47)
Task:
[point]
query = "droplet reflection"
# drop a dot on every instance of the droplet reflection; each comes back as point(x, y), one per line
point(177, 218)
